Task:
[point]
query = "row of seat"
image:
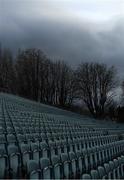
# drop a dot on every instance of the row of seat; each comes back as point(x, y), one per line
point(85, 159)
point(85, 142)
point(37, 142)
point(9, 123)
point(112, 170)
point(75, 165)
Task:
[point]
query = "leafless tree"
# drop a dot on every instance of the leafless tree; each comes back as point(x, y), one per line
point(94, 85)
point(43, 80)
point(63, 76)
point(34, 76)
point(29, 68)
point(7, 71)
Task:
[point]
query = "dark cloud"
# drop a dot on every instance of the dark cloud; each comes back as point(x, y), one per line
point(73, 41)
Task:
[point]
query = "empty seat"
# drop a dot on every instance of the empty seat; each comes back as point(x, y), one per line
point(64, 146)
point(70, 145)
point(46, 168)
point(116, 173)
point(10, 130)
point(57, 171)
point(25, 153)
point(86, 159)
point(86, 176)
point(31, 129)
point(102, 173)
point(107, 170)
point(2, 140)
point(58, 146)
point(52, 148)
point(120, 162)
point(43, 136)
point(122, 166)
point(2, 130)
point(21, 138)
point(44, 150)
point(80, 163)
point(3, 162)
point(29, 138)
point(18, 130)
point(14, 159)
point(36, 137)
point(111, 164)
point(35, 151)
point(73, 162)
point(94, 174)
point(33, 171)
point(11, 139)
point(65, 165)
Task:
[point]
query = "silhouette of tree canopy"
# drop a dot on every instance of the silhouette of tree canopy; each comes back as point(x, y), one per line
point(94, 83)
point(33, 75)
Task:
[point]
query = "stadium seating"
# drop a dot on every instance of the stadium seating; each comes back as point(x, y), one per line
point(42, 142)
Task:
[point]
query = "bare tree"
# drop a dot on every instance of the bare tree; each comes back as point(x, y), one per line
point(29, 68)
point(34, 76)
point(63, 75)
point(7, 71)
point(94, 83)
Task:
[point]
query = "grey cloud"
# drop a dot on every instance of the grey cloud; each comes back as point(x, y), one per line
point(71, 41)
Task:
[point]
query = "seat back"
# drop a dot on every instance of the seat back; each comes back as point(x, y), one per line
point(94, 174)
point(45, 168)
point(66, 167)
point(101, 171)
point(35, 151)
point(56, 167)
point(32, 169)
point(14, 159)
point(86, 176)
point(25, 152)
point(73, 161)
point(44, 149)
point(3, 159)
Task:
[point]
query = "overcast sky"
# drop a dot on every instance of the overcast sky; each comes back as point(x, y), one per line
point(73, 30)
